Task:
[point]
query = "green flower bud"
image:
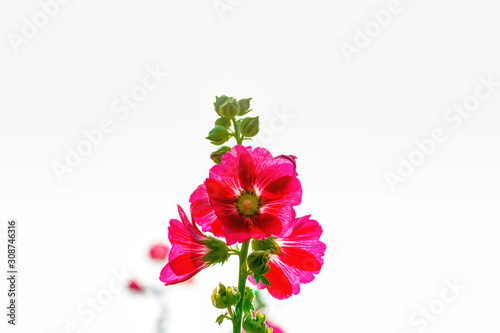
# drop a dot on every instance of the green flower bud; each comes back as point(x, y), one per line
point(219, 101)
point(244, 106)
point(223, 297)
point(266, 244)
point(219, 252)
point(229, 109)
point(218, 135)
point(257, 324)
point(249, 127)
point(223, 122)
point(258, 262)
point(216, 156)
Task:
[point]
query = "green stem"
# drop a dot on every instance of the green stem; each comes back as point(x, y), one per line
point(242, 280)
point(231, 314)
point(237, 135)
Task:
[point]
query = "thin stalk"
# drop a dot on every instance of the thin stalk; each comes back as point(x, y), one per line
point(242, 279)
point(237, 134)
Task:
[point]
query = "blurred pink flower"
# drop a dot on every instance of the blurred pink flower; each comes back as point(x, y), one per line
point(134, 286)
point(159, 251)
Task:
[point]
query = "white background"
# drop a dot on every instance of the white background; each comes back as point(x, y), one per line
point(390, 252)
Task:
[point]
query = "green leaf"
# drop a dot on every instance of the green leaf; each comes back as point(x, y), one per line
point(220, 319)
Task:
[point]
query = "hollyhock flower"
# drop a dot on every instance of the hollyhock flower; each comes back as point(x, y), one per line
point(296, 260)
point(158, 251)
point(252, 194)
point(191, 251)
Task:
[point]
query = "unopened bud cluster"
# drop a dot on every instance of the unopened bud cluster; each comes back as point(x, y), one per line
point(227, 125)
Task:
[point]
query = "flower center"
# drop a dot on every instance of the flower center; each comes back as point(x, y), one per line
point(248, 204)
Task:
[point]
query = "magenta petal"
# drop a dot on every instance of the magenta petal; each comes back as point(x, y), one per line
point(187, 263)
point(269, 224)
point(203, 213)
point(300, 259)
point(246, 170)
point(237, 233)
point(282, 187)
point(268, 169)
point(281, 287)
point(285, 213)
point(219, 192)
point(193, 230)
point(169, 278)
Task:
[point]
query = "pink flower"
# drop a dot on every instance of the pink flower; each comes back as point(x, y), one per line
point(159, 251)
point(134, 286)
point(300, 258)
point(252, 194)
point(191, 251)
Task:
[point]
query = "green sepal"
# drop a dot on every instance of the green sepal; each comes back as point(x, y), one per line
point(266, 244)
point(261, 278)
point(248, 301)
point(219, 252)
point(256, 324)
point(223, 297)
point(244, 106)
